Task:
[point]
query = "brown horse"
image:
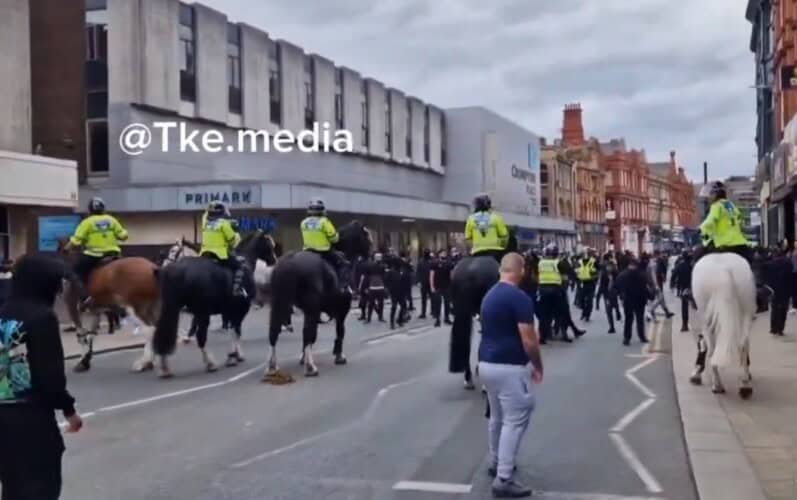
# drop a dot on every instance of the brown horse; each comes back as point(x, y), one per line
point(130, 283)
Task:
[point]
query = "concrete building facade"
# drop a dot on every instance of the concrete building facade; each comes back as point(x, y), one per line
point(164, 60)
point(32, 185)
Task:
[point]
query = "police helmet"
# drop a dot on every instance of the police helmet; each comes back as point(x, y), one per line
point(96, 206)
point(218, 209)
point(717, 190)
point(552, 250)
point(316, 207)
point(482, 202)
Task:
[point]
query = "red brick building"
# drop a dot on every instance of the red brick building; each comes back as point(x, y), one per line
point(627, 196)
point(590, 213)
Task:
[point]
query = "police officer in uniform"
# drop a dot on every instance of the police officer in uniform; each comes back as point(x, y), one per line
point(219, 239)
point(587, 276)
point(99, 235)
point(552, 298)
point(486, 229)
point(319, 234)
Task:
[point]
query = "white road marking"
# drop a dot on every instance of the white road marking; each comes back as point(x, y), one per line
point(356, 423)
point(633, 414)
point(636, 465)
point(452, 488)
point(160, 397)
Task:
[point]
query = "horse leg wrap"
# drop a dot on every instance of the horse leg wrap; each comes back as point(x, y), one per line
point(702, 351)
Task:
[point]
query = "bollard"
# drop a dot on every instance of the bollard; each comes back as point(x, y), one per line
point(659, 336)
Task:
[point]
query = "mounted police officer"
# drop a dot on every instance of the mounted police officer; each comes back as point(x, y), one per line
point(486, 229)
point(552, 273)
point(722, 232)
point(319, 234)
point(587, 274)
point(219, 239)
point(99, 235)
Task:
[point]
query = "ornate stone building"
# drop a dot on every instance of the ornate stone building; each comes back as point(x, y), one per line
point(590, 196)
point(558, 191)
point(627, 196)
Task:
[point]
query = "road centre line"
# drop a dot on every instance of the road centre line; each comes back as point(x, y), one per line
point(636, 465)
point(629, 417)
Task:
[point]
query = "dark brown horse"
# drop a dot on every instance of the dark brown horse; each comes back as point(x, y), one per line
point(130, 283)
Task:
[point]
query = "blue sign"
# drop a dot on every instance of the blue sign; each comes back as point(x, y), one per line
point(246, 224)
point(53, 228)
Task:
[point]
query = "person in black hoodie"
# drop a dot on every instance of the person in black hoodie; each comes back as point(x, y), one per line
point(632, 286)
point(777, 275)
point(33, 383)
point(424, 268)
point(681, 281)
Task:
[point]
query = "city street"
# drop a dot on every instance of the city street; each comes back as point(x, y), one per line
point(392, 424)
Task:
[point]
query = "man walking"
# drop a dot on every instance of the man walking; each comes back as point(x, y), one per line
point(632, 286)
point(509, 343)
point(587, 277)
point(681, 281)
point(424, 268)
point(607, 276)
point(777, 275)
point(33, 383)
point(439, 283)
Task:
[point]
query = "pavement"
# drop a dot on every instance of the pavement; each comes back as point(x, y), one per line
point(391, 424)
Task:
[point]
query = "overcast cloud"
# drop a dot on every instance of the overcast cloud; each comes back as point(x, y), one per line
point(663, 74)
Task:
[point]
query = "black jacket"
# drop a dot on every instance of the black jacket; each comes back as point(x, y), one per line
point(632, 286)
point(778, 276)
point(36, 282)
point(424, 267)
point(681, 278)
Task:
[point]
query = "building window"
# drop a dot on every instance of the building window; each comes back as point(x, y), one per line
point(275, 83)
point(388, 125)
point(544, 206)
point(364, 107)
point(5, 235)
point(426, 135)
point(309, 93)
point(408, 136)
point(96, 70)
point(339, 99)
point(188, 47)
point(97, 137)
point(443, 152)
point(543, 173)
point(234, 67)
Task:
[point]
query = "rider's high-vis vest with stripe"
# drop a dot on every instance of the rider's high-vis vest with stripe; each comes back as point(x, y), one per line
point(218, 237)
point(99, 235)
point(486, 231)
point(318, 233)
point(723, 225)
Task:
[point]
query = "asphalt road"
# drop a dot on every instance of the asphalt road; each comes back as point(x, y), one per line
point(392, 418)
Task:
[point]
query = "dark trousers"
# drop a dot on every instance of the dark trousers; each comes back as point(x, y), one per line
point(612, 306)
point(441, 300)
point(634, 311)
point(587, 295)
point(30, 464)
point(561, 316)
point(686, 302)
point(363, 303)
point(549, 309)
point(376, 302)
point(426, 295)
point(777, 318)
point(398, 304)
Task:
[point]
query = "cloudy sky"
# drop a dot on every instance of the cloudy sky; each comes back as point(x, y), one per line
point(663, 74)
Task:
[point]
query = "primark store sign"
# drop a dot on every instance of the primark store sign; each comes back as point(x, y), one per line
point(199, 197)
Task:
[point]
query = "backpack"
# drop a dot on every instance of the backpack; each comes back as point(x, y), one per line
point(15, 380)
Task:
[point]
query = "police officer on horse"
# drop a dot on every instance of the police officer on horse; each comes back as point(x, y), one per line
point(219, 239)
point(486, 229)
point(319, 234)
point(99, 235)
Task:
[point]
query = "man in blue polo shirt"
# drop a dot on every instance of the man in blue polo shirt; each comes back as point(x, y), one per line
point(510, 364)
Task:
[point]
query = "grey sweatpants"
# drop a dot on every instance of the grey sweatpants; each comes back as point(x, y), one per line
point(511, 395)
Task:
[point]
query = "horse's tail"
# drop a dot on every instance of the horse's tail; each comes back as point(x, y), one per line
point(729, 314)
point(164, 340)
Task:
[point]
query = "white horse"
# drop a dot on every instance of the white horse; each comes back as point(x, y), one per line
point(724, 290)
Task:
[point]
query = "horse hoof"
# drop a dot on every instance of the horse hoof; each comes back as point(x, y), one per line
point(696, 380)
point(186, 340)
point(165, 374)
point(82, 367)
point(341, 360)
point(211, 367)
point(232, 360)
point(469, 386)
point(745, 392)
point(311, 372)
point(301, 361)
point(718, 390)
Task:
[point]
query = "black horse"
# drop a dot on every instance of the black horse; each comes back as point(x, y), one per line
point(471, 279)
point(303, 279)
point(203, 287)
